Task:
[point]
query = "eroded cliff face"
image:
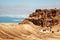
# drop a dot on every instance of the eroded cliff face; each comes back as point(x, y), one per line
point(40, 25)
point(44, 18)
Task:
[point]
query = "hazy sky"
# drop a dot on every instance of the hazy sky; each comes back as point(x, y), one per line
point(22, 8)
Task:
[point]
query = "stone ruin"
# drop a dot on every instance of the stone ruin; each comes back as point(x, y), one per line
point(44, 18)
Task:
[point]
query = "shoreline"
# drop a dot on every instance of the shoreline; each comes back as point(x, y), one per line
point(8, 23)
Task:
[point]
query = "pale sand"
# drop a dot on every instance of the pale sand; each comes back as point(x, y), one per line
point(24, 32)
point(8, 23)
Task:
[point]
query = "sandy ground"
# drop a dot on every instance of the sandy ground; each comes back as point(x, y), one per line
point(26, 32)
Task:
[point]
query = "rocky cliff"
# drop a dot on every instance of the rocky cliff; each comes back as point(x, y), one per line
point(40, 25)
point(44, 18)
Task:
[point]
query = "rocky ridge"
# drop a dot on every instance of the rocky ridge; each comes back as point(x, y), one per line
point(40, 25)
point(44, 18)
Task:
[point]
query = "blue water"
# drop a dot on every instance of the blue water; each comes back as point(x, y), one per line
point(10, 20)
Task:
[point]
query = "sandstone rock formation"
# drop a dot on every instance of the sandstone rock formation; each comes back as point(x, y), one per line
point(44, 18)
point(40, 25)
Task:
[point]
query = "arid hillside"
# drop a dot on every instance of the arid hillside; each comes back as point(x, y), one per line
point(40, 25)
point(45, 17)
